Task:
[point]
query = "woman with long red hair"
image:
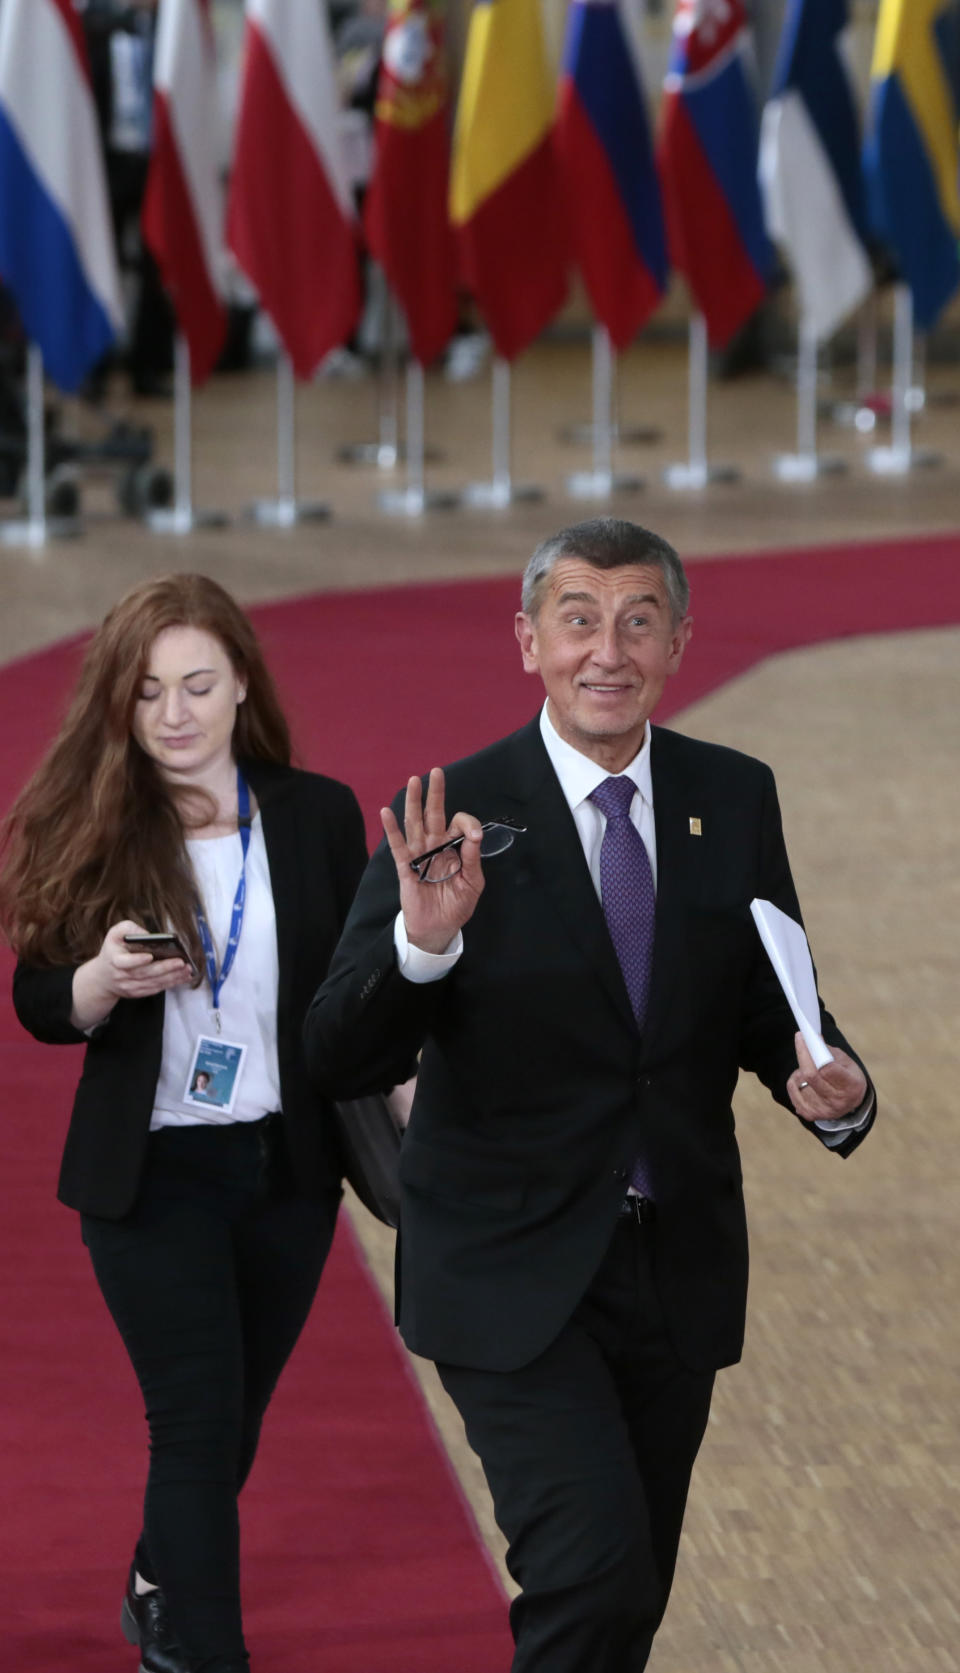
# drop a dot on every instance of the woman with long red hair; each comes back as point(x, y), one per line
point(174, 890)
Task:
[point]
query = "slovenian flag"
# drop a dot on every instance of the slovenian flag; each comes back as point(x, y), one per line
point(608, 171)
point(707, 149)
point(183, 202)
point(57, 251)
point(810, 166)
point(504, 186)
point(290, 221)
point(912, 157)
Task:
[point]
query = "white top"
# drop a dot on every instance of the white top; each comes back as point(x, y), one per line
point(248, 1000)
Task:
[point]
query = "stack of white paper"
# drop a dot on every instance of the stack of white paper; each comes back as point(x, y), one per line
point(790, 956)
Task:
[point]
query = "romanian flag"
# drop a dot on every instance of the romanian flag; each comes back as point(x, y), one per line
point(912, 156)
point(708, 150)
point(608, 170)
point(405, 214)
point(504, 187)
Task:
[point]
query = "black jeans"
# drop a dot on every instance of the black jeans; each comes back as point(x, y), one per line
point(588, 1452)
point(209, 1280)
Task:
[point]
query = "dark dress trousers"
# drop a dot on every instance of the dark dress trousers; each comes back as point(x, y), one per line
point(313, 831)
point(536, 1092)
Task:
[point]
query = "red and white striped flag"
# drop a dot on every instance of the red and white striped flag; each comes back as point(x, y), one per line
point(290, 220)
point(183, 204)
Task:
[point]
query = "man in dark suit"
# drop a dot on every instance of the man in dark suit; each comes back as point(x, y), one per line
point(572, 1246)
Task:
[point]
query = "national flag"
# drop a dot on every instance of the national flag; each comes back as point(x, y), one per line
point(608, 171)
point(290, 221)
point(707, 150)
point(405, 215)
point(183, 202)
point(57, 251)
point(810, 166)
point(911, 156)
point(505, 200)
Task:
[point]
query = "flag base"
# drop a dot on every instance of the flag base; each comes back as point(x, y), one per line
point(897, 461)
point(183, 519)
point(497, 494)
point(807, 467)
point(36, 531)
point(699, 475)
point(599, 485)
point(386, 456)
point(285, 513)
point(413, 502)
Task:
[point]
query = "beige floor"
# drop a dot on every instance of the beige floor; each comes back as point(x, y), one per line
point(822, 1534)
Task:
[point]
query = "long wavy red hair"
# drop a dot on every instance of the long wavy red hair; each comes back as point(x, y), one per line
point(96, 835)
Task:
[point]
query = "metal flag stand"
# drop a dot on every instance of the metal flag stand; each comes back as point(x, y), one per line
point(501, 490)
point(36, 528)
point(414, 499)
point(182, 516)
point(901, 456)
point(286, 510)
point(585, 435)
point(600, 482)
point(385, 451)
point(806, 465)
point(696, 472)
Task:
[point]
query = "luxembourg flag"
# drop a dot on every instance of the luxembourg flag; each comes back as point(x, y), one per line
point(290, 221)
point(707, 151)
point(183, 202)
point(810, 166)
point(57, 252)
point(608, 172)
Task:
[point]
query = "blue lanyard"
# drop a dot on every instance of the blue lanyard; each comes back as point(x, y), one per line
point(236, 918)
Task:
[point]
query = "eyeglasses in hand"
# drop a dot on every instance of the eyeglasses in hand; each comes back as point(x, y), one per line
point(440, 864)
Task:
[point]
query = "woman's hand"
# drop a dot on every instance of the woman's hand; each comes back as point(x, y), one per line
point(434, 912)
point(118, 972)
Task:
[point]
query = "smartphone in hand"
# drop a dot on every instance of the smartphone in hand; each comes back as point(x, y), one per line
point(159, 944)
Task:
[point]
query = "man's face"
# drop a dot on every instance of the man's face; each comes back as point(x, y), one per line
point(603, 642)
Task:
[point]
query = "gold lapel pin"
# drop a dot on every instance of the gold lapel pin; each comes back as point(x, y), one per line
point(696, 829)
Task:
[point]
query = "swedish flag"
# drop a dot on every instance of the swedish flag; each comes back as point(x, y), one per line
point(913, 154)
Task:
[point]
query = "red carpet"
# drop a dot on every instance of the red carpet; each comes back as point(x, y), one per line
point(359, 1555)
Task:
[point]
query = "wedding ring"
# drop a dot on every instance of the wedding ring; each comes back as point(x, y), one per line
point(801, 1084)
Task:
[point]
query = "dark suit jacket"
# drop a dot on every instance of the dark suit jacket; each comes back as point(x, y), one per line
point(313, 830)
point(536, 1089)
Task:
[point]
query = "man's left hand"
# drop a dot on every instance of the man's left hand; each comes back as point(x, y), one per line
point(837, 1089)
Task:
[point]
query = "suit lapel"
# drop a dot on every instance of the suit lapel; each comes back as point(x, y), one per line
point(269, 785)
point(672, 816)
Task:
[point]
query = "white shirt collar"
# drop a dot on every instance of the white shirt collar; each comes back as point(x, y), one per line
point(579, 776)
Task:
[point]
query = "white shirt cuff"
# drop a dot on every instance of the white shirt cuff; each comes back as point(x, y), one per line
point(415, 964)
point(837, 1127)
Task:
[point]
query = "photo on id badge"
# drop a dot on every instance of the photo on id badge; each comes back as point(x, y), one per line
point(214, 1074)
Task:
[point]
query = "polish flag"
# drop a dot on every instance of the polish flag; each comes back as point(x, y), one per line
point(290, 219)
point(183, 203)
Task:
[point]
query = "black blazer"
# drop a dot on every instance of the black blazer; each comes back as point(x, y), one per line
point(314, 836)
point(536, 1089)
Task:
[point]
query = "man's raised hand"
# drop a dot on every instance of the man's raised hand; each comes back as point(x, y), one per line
point(434, 913)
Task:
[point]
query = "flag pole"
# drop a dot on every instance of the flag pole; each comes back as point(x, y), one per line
point(806, 464)
point(36, 527)
point(901, 456)
point(697, 472)
point(286, 510)
point(414, 499)
point(585, 435)
point(182, 516)
point(501, 490)
point(385, 452)
point(600, 482)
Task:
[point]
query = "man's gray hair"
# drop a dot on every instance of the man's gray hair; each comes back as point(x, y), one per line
point(607, 543)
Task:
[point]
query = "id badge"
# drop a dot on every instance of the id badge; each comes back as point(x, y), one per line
point(214, 1074)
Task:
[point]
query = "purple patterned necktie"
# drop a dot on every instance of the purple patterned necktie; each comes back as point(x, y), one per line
point(629, 903)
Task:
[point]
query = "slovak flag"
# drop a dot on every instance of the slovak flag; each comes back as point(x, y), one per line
point(608, 171)
point(290, 219)
point(57, 251)
point(810, 166)
point(707, 149)
point(183, 203)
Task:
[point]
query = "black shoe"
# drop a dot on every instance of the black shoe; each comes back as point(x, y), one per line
point(143, 1621)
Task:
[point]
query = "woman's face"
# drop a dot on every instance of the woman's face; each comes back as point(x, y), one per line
point(187, 708)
